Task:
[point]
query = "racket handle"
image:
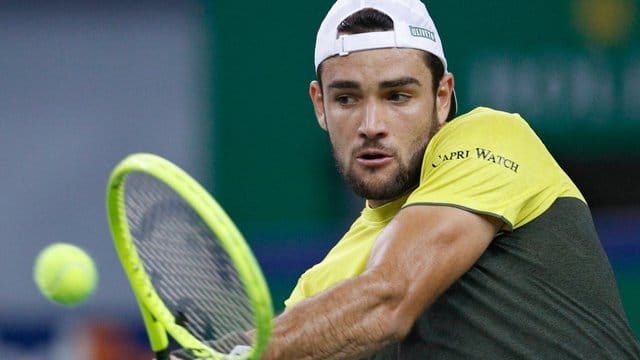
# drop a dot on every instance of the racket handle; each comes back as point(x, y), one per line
point(163, 355)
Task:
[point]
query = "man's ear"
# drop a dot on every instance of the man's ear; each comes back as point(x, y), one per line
point(315, 92)
point(444, 98)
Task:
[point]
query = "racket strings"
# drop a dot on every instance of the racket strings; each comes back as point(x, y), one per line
point(187, 265)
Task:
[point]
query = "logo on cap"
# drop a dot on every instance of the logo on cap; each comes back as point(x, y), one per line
point(422, 32)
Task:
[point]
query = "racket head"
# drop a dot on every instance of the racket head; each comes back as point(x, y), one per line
point(155, 207)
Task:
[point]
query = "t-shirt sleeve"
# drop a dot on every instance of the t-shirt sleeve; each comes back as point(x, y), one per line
point(296, 295)
point(492, 163)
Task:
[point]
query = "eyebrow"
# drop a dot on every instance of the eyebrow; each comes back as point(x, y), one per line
point(399, 82)
point(344, 84)
point(348, 84)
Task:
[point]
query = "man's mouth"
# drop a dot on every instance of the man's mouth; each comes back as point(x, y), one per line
point(373, 157)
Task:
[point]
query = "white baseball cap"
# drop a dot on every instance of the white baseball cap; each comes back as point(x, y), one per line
point(412, 28)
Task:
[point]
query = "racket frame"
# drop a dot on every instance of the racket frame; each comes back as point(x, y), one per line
point(158, 319)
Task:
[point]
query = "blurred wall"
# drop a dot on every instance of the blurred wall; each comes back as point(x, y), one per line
point(82, 84)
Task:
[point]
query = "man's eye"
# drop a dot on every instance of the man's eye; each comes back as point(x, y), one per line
point(345, 99)
point(398, 97)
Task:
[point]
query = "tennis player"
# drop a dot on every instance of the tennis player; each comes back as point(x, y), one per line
point(473, 242)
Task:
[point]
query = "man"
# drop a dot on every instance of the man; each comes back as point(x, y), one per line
point(473, 242)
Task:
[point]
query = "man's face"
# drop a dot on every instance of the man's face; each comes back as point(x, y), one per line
point(380, 112)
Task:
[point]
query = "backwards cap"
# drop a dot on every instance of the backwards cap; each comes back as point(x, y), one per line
point(412, 28)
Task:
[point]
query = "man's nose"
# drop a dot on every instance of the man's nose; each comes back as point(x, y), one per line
point(373, 124)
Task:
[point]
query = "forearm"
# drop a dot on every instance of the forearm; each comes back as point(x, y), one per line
point(349, 321)
point(408, 269)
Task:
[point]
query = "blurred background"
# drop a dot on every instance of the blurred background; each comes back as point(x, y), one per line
point(220, 88)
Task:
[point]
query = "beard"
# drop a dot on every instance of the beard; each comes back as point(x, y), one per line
point(404, 179)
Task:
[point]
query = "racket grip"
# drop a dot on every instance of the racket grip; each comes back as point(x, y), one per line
point(163, 355)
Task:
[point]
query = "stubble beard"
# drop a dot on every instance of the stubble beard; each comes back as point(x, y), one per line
point(401, 182)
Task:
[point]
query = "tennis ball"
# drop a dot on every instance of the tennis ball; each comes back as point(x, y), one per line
point(65, 274)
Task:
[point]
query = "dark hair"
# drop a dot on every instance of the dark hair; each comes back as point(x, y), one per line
point(370, 20)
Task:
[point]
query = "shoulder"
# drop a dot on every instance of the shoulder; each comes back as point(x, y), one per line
point(482, 112)
point(487, 118)
point(483, 126)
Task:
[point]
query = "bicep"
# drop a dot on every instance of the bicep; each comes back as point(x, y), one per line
point(425, 249)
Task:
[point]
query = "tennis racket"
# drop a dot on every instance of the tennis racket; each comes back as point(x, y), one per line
point(195, 278)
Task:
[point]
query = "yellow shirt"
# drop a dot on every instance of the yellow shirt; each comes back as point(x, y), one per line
point(486, 161)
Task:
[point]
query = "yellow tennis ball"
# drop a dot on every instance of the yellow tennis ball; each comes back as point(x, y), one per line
point(65, 274)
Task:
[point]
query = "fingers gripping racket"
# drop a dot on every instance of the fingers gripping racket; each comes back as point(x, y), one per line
point(192, 273)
